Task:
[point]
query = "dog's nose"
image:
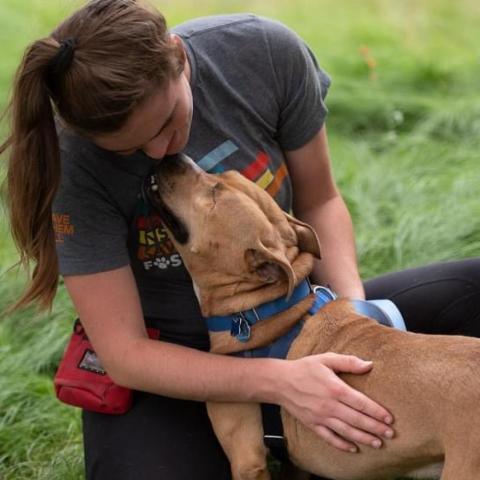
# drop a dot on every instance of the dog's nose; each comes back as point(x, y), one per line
point(178, 163)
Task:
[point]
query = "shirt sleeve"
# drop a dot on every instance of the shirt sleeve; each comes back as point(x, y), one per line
point(301, 87)
point(90, 230)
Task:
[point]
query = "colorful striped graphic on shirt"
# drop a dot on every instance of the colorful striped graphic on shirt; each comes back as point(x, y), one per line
point(265, 180)
point(276, 184)
point(258, 171)
point(211, 161)
point(257, 167)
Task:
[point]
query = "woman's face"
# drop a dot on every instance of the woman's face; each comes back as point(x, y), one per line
point(159, 126)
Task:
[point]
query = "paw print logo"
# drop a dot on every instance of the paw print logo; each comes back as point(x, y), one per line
point(162, 262)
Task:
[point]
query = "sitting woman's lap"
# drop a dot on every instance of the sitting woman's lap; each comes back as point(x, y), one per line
point(442, 298)
point(159, 438)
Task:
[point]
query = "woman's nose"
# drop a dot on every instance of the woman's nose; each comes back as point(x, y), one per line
point(157, 147)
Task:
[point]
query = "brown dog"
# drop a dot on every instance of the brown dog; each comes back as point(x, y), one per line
point(242, 251)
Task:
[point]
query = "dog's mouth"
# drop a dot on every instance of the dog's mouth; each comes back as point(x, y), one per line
point(152, 188)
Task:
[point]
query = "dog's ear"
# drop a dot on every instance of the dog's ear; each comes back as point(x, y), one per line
point(306, 236)
point(270, 266)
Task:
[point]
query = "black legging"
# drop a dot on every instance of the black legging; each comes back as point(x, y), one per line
point(443, 298)
point(162, 438)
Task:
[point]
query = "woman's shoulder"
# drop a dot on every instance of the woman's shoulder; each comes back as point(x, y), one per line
point(224, 46)
point(213, 24)
point(236, 27)
point(76, 152)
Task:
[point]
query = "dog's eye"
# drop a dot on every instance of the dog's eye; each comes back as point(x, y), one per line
point(213, 192)
point(215, 189)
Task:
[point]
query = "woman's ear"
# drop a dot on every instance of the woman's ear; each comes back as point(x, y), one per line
point(307, 239)
point(180, 48)
point(176, 39)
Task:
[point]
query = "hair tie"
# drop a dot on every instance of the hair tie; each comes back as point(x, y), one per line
point(60, 63)
point(63, 59)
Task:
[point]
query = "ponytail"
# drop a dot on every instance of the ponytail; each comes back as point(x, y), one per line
point(34, 173)
point(120, 52)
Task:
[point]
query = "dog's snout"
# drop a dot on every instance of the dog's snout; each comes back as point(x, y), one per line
point(167, 175)
point(178, 164)
point(163, 182)
point(171, 163)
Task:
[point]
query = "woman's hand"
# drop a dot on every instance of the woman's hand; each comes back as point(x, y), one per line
point(339, 414)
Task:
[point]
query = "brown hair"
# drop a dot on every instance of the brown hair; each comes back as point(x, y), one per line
point(92, 71)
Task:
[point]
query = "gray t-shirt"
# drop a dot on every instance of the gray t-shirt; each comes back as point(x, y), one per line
point(257, 92)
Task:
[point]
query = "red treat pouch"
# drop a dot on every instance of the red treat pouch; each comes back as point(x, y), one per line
point(82, 382)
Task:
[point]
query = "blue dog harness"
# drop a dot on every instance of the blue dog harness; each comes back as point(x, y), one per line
point(240, 324)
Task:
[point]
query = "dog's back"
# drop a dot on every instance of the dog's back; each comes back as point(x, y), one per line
point(428, 381)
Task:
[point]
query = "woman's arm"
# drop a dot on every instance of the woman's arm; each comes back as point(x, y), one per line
point(109, 307)
point(316, 200)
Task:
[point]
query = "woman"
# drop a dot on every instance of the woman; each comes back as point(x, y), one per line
point(232, 92)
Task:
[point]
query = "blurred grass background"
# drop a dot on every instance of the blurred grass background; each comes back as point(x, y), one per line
point(404, 130)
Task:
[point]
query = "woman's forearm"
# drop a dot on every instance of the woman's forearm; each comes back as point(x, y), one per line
point(338, 266)
point(182, 372)
point(316, 201)
point(308, 387)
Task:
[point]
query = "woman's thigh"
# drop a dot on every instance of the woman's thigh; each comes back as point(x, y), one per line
point(442, 298)
point(159, 438)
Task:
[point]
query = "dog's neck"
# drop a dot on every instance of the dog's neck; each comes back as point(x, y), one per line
point(263, 332)
point(245, 294)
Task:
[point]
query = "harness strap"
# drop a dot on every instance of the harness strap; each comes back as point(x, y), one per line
point(273, 437)
point(239, 323)
point(273, 431)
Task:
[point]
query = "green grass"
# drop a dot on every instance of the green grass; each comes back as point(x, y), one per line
point(404, 130)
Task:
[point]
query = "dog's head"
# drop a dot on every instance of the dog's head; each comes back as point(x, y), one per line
point(228, 230)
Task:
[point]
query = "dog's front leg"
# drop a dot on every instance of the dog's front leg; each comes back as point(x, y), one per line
point(238, 427)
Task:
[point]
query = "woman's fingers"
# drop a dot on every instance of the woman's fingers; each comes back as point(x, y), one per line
point(346, 427)
point(345, 363)
point(361, 403)
point(350, 396)
point(334, 440)
point(361, 428)
point(322, 401)
point(352, 434)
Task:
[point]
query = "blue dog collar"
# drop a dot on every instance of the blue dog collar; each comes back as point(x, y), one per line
point(323, 295)
point(383, 311)
point(280, 347)
point(239, 323)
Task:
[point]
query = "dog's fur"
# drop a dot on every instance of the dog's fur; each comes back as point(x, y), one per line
point(241, 251)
